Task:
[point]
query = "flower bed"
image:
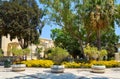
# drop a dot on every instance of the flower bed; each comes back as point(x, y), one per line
point(38, 63)
point(49, 63)
point(108, 64)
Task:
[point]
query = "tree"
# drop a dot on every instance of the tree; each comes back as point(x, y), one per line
point(63, 39)
point(66, 16)
point(21, 19)
point(99, 16)
point(83, 19)
point(117, 16)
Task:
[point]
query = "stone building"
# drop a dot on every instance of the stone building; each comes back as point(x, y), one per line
point(5, 42)
point(44, 43)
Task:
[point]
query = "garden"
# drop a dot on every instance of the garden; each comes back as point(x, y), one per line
point(86, 37)
point(59, 56)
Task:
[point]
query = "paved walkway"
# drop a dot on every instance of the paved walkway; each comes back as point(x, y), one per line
point(44, 73)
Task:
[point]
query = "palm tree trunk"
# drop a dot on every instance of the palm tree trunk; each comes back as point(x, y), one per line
point(98, 40)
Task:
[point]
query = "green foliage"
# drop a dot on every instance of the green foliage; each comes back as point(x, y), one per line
point(58, 55)
point(38, 50)
point(23, 19)
point(64, 40)
point(16, 51)
point(117, 15)
point(67, 16)
point(26, 51)
point(103, 53)
point(1, 52)
point(19, 52)
point(94, 53)
point(87, 21)
point(48, 50)
point(98, 18)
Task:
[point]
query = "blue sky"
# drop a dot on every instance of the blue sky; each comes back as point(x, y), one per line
point(46, 31)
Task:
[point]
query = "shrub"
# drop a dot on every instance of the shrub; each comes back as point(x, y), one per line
point(94, 53)
point(1, 52)
point(86, 65)
point(38, 63)
point(108, 64)
point(16, 51)
point(58, 55)
point(26, 51)
point(71, 64)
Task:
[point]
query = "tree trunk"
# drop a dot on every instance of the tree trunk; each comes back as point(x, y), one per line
point(81, 47)
point(23, 43)
point(98, 40)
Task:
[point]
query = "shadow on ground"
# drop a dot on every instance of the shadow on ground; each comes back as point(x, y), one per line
point(48, 75)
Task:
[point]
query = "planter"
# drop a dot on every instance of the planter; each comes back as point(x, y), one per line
point(18, 67)
point(98, 68)
point(57, 68)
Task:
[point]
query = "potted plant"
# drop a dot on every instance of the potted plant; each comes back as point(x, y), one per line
point(18, 66)
point(57, 55)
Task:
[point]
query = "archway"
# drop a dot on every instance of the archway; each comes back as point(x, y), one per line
point(10, 46)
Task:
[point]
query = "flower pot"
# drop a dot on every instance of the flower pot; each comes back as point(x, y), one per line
point(57, 68)
point(98, 68)
point(18, 67)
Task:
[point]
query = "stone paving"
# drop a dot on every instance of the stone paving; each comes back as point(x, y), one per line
point(44, 73)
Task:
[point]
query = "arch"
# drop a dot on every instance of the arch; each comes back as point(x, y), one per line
point(10, 46)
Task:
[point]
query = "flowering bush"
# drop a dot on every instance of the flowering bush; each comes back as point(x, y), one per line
point(38, 63)
point(86, 65)
point(49, 63)
point(108, 64)
point(71, 64)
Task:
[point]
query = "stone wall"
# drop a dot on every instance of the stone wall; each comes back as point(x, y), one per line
point(117, 57)
point(4, 43)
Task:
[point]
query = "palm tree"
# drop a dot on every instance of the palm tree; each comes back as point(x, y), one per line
point(98, 17)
